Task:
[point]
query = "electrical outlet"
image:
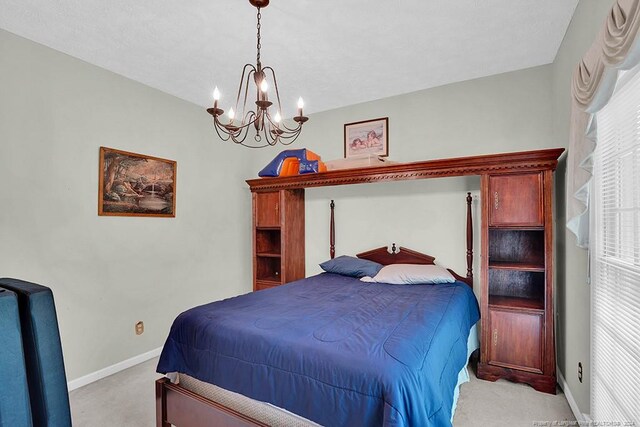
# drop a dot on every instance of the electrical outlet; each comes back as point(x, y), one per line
point(580, 371)
point(140, 328)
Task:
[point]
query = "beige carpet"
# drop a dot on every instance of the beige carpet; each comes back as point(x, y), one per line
point(127, 399)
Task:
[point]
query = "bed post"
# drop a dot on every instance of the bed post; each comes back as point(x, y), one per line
point(332, 233)
point(469, 240)
point(161, 404)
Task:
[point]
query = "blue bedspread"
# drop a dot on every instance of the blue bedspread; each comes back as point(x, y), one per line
point(332, 349)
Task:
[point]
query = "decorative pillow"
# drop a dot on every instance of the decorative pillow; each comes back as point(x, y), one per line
point(411, 274)
point(351, 266)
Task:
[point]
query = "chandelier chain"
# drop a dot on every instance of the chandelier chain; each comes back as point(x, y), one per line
point(258, 44)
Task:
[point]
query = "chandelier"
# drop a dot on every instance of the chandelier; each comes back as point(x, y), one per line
point(243, 120)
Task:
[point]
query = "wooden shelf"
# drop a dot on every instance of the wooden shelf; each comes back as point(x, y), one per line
point(518, 340)
point(520, 266)
point(499, 301)
point(278, 223)
point(269, 281)
point(509, 248)
point(261, 285)
point(517, 227)
point(459, 166)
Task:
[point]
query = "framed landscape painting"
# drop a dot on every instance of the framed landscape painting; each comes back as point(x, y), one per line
point(370, 137)
point(136, 185)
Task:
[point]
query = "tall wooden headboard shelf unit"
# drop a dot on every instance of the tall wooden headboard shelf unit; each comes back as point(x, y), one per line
point(517, 328)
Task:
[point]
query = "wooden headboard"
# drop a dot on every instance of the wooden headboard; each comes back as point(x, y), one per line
point(402, 256)
point(408, 256)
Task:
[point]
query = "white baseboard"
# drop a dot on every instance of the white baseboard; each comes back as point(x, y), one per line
point(572, 402)
point(110, 370)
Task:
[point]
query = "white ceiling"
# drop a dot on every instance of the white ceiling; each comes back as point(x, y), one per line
point(333, 53)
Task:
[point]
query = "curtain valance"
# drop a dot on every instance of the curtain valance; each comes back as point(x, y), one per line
point(593, 83)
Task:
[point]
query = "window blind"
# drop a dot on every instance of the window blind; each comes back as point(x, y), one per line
point(615, 258)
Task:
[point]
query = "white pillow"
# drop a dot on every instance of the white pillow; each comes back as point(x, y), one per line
point(411, 274)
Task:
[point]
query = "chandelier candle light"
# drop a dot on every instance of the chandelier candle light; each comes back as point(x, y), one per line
point(269, 130)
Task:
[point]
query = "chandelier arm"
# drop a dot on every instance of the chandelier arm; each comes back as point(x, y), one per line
point(249, 119)
point(280, 135)
point(286, 140)
point(287, 133)
point(241, 127)
point(275, 85)
point(274, 124)
point(268, 137)
point(276, 137)
point(240, 135)
point(290, 135)
point(279, 126)
point(218, 129)
point(274, 132)
point(251, 72)
point(248, 75)
point(255, 146)
point(292, 130)
point(254, 120)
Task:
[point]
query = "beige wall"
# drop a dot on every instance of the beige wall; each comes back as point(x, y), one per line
point(573, 302)
point(109, 272)
point(507, 112)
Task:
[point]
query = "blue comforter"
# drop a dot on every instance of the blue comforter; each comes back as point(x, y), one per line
point(332, 349)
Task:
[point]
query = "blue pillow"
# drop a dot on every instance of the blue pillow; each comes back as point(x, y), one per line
point(351, 266)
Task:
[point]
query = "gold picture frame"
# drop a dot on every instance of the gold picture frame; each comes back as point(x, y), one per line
point(131, 184)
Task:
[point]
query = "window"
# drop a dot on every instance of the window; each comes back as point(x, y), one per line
point(615, 258)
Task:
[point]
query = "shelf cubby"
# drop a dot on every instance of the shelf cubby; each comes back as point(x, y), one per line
point(516, 283)
point(509, 247)
point(268, 269)
point(268, 242)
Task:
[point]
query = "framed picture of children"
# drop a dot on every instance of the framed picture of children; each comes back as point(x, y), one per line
point(369, 137)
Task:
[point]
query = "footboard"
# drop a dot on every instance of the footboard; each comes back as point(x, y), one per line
point(183, 408)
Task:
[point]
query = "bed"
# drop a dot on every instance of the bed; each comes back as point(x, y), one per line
point(328, 350)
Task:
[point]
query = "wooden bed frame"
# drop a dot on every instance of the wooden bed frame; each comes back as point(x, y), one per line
point(175, 405)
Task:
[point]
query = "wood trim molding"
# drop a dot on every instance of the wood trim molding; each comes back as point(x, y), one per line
point(180, 407)
point(494, 164)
